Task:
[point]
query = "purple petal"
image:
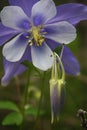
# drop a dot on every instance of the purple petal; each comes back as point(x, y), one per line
point(15, 49)
point(70, 63)
point(73, 13)
point(10, 69)
point(6, 34)
point(26, 5)
point(14, 68)
point(52, 44)
point(14, 17)
point(44, 10)
point(62, 32)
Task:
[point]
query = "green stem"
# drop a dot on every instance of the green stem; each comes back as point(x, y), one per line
point(62, 68)
point(25, 96)
point(40, 101)
point(26, 88)
point(62, 51)
point(18, 88)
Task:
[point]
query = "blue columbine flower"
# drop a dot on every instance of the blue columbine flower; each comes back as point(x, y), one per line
point(37, 27)
point(32, 31)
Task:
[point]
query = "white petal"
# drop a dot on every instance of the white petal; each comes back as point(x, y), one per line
point(13, 16)
point(62, 32)
point(44, 8)
point(42, 57)
point(14, 49)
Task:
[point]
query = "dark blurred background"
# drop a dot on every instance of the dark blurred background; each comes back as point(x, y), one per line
point(76, 87)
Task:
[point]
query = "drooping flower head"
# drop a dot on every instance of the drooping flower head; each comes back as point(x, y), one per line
point(37, 27)
point(57, 87)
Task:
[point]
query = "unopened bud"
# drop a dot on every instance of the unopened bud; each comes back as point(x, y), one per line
point(57, 89)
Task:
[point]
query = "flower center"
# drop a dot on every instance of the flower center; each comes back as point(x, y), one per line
point(36, 36)
point(36, 33)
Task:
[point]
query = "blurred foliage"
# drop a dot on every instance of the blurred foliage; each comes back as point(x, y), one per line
point(76, 88)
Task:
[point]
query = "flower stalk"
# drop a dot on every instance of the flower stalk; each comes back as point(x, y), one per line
point(25, 97)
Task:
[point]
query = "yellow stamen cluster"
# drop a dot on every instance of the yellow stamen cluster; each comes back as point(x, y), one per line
point(36, 37)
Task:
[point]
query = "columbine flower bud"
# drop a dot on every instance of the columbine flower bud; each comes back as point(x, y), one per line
point(57, 89)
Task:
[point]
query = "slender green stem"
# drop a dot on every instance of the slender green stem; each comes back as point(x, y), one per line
point(25, 96)
point(18, 88)
point(61, 54)
point(62, 68)
point(40, 101)
point(26, 88)
point(62, 51)
point(42, 92)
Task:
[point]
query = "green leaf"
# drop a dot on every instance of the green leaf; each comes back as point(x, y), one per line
point(13, 118)
point(9, 105)
point(30, 110)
